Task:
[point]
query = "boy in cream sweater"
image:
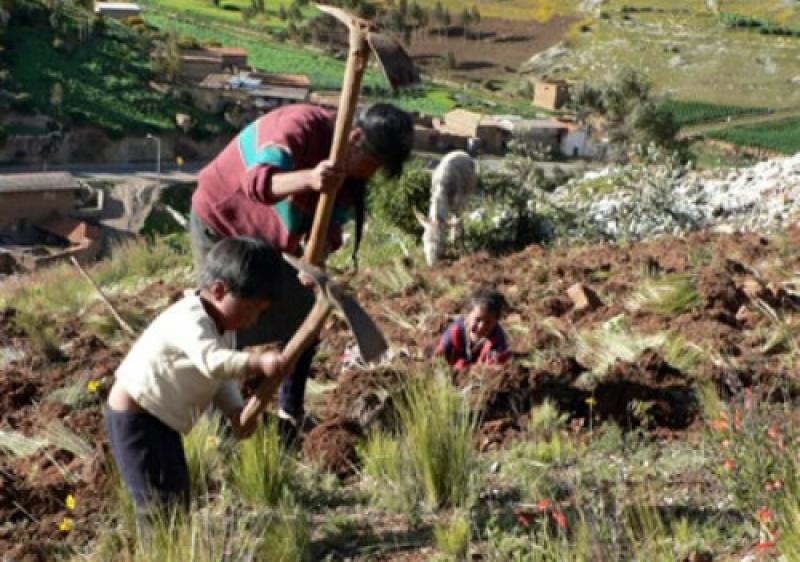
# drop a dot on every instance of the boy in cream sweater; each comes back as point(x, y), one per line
point(184, 361)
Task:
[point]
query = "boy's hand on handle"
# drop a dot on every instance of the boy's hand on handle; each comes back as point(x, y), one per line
point(325, 177)
point(272, 364)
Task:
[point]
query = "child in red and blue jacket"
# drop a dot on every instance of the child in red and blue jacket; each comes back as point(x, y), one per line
point(477, 337)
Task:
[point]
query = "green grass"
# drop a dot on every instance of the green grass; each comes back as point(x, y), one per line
point(228, 12)
point(432, 463)
point(781, 136)
point(262, 470)
point(693, 112)
point(689, 55)
point(324, 71)
point(104, 81)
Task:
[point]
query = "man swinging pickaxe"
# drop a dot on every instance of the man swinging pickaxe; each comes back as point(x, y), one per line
point(400, 71)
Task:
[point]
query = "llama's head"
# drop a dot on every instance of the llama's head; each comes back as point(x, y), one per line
point(434, 238)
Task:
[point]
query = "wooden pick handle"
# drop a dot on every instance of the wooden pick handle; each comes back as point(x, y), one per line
point(348, 101)
point(305, 335)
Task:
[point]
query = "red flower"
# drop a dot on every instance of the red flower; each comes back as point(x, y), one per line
point(543, 504)
point(763, 545)
point(764, 514)
point(730, 464)
point(738, 420)
point(560, 518)
point(523, 519)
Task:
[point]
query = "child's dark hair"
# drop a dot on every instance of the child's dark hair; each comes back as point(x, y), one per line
point(492, 300)
point(249, 267)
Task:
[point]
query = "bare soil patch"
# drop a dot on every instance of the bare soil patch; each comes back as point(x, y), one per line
point(491, 49)
point(647, 392)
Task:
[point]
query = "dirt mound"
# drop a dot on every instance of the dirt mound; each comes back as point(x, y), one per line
point(365, 397)
point(648, 393)
point(332, 446)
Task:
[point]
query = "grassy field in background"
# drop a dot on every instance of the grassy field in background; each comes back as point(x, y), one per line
point(325, 71)
point(689, 54)
point(693, 112)
point(103, 81)
point(782, 136)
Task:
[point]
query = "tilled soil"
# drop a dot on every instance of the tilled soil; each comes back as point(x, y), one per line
point(730, 272)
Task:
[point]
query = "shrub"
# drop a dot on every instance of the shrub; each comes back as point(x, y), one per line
point(395, 200)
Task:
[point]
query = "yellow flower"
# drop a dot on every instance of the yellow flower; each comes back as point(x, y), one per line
point(70, 502)
point(65, 525)
point(591, 401)
point(212, 441)
point(92, 386)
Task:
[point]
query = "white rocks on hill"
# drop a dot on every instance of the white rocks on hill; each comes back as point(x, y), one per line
point(764, 197)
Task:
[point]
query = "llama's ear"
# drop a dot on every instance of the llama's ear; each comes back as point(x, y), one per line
point(421, 218)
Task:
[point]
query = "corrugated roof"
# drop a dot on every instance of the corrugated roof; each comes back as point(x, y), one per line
point(45, 181)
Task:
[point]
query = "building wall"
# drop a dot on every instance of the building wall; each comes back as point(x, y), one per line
point(550, 96)
point(34, 207)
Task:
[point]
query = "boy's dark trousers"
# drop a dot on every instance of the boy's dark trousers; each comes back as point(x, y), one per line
point(149, 455)
point(276, 324)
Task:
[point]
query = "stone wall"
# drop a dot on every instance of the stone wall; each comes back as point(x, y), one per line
point(92, 145)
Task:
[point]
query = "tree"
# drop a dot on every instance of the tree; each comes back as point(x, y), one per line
point(627, 112)
point(419, 16)
point(466, 19)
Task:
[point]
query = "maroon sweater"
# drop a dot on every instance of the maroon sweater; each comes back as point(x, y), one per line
point(233, 193)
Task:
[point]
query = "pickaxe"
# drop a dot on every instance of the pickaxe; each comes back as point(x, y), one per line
point(399, 71)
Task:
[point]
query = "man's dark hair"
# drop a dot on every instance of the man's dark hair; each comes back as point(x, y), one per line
point(389, 135)
point(249, 267)
point(492, 300)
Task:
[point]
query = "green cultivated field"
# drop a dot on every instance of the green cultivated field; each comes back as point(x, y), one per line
point(782, 136)
point(693, 112)
point(325, 71)
point(103, 81)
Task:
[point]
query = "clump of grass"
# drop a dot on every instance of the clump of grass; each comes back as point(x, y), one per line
point(547, 419)
point(62, 437)
point(262, 470)
point(432, 461)
point(439, 429)
point(684, 355)
point(134, 262)
point(204, 454)
point(395, 485)
point(452, 537)
point(41, 335)
point(669, 295)
point(75, 395)
point(611, 342)
point(395, 278)
point(18, 445)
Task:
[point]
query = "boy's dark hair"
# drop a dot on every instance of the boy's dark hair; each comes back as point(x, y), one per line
point(249, 267)
point(492, 300)
point(389, 135)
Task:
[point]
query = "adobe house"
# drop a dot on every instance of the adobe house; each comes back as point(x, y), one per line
point(232, 59)
point(259, 90)
point(469, 124)
point(548, 133)
point(551, 95)
point(34, 198)
point(197, 67)
point(117, 10)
